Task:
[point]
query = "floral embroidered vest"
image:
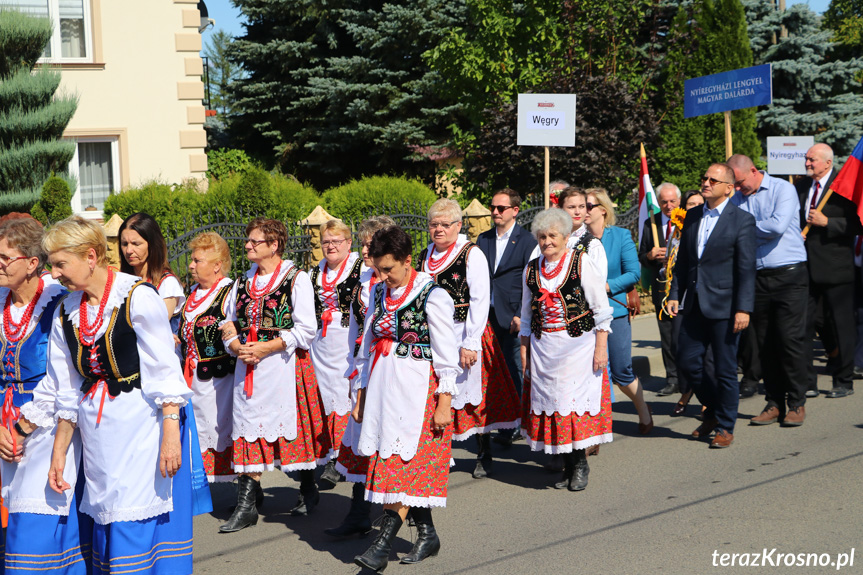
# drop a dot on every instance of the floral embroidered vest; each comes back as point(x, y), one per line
point(344, 292)
point(114, 356)
point(277, 309)
point(453, 279)
point(358, 308)
point(213, 359)
point(411, 324)
point(576, 313)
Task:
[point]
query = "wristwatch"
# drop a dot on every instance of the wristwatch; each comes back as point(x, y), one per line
point(20, 431)
point(174, 416)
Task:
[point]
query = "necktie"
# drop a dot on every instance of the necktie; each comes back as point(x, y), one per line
point(814, 203)
point(667, 231)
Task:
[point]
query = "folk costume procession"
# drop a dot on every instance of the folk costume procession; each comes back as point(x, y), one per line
point(388, 360)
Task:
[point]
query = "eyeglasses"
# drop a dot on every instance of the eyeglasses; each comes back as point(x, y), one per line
point(255, 243)
point(714, 181)
point(500, 209)
point(334, 243)
point(6, 260)
point(436, 225)
point(591, 206)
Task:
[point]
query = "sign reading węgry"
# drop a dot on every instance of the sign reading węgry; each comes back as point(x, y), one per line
point(787, 155)
point(546, 120)
point(726, 91)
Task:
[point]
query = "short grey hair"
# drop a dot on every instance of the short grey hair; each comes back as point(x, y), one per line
point(552, 219)
point(665, 185)
point(563, 184)
point(445, 207)
point(369, 226)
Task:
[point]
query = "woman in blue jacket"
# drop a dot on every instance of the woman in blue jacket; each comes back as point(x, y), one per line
point(624, 271)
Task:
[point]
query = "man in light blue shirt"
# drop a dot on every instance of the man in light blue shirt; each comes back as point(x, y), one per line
point(781, 290)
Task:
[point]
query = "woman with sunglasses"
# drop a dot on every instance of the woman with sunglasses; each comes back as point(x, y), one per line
point(334, 280)
point(278, 416)
point(573, 200)
point(487, 399)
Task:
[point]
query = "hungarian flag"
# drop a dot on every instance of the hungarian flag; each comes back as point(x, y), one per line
point(647, 204)
point(849, 181)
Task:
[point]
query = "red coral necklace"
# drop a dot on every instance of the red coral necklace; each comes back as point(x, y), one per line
point(15, 331)
point(85, 329)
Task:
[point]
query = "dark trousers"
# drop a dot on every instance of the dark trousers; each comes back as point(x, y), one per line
point(780, 326)
point(668, 333)
point(511, 346)
point(748, 356)
point(838, 304)
point(720, 395)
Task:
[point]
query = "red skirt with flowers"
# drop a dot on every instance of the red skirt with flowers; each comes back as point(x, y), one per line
point(335, 430)
point(422, 481)
point(557, 433)
point(311, 446)
point(217, 465)
point(354, 467)
point(499, 408)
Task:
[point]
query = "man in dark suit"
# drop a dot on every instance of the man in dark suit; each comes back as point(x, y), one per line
point(830, 253)
point(653, 258)
point(714, 290)
point(507, 247)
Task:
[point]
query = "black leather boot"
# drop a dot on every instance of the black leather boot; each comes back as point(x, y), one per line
point(427, 543)
point(309, 495)
point(259, 495)
point(357, 521)
point(483, 456)
point(377, 556)
point(329, 477)
point(245, 513)
point(582, 469)
point(568, 471)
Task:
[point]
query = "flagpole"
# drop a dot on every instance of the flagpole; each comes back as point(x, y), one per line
point(547, 177)
point(728, 148)
point(819, 208)
point(649, 215)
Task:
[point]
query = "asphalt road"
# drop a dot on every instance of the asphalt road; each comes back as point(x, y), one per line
point(657, 504)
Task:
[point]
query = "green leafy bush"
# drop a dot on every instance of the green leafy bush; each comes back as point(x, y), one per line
point(55, 203)
point(358, 198)
point(226, 162)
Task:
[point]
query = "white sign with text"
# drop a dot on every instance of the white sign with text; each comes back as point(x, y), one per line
point(546, 120)
point(786, 156)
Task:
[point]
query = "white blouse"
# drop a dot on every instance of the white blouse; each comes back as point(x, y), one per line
point(171, 287)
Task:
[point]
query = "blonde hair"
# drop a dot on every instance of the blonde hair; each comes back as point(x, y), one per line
point(445, 207)
point(77, 236)
point(208, 241)
point(336, 227)
point(368, 228)
point(604, 200)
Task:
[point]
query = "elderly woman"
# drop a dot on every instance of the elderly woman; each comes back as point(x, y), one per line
point(45, 528)
point(354, 467)
point(624, 271)
point(145, 255)
point(207, 367)
point(278, 416)
point(334, 280)
point(118, 381)
point(565, 320)
point(486, 399)
point(407, 364)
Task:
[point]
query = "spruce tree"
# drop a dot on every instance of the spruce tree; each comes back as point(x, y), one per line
point(718, 42)
point(32, 119)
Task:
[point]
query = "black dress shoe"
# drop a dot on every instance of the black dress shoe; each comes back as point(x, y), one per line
point(748, 391)
point(811, 393)
point(840, 391)
point(329, 477)
point(669, 389)
point(427, 543)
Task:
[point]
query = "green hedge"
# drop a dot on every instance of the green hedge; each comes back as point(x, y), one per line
point(358, 198)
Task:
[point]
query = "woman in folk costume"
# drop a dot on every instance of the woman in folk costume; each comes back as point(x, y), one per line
point(112, 363)
point(46, 532)
point(564, 331)
point(334, 280)
point(207, 366)
point(487, 398)
point(278, 417)
point(349, 463)
point(407, 365)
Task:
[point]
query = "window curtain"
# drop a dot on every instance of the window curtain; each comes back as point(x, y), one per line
point(72, 40)
point(95, 173)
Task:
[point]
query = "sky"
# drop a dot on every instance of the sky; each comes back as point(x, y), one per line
point(229, 19)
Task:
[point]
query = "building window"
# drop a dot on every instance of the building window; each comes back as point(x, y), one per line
point(71, 20)
point(96, 167)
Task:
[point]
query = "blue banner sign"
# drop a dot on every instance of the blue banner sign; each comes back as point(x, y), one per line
point(732, 90)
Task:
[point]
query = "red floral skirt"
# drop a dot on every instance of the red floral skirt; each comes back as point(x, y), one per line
point(499, 408)
point(354, 467)
point(311, 446)
point(335, 430)
point(557, 433)
point(217, 465)
point(422, 481)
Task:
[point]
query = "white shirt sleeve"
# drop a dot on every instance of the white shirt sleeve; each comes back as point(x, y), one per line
point(305, 322)
point(171, 288)
point(230, 309)
point(596, 252)
point(62, 378)
point(593, 281)
point(526, 310)
point(444, 346)
point(361, 362)
point(479, 283)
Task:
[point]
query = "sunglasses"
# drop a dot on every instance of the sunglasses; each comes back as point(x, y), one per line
point(500, 209)
point(714, 181)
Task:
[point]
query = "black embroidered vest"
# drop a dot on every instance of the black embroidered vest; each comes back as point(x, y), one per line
point(358, 308)
point(344, 292)
point(115, 354)
point(411, 323)
point(576, 313)
point(277, 308)
point(453, 279)
point(213, 359)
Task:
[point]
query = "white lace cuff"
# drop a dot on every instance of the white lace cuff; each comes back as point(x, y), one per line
point(472, 344)
point(67, 414)
point(524, 331)
point(176, 400)
point(36, 416)
point(289, 340)
point(447, 382)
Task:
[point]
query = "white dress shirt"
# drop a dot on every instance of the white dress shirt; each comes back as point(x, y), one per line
point(822, 188)
point(708, 223)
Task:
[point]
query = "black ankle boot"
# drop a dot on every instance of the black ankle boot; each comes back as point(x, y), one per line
point(427, 543)
point(357, 521)
point(309, 495)
point(377, 556)
point(259, 495)
point(568, 471)
point(582, 469)
point(483, 456)
point(245, 514)
point(329, 477)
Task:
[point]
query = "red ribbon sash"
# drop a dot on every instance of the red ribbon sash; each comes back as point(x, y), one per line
point(10, 415)
point(248, 383)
